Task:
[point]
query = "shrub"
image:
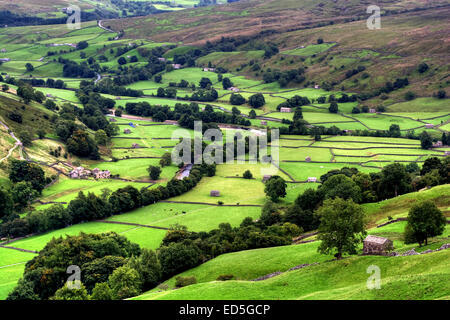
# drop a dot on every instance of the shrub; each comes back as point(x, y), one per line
point(185, 281)
point(247, 174)
point(225, 277)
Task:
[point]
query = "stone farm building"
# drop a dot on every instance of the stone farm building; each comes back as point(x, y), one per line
point(264, 122)
point(284, 109)
point(308, 159)
point(374, 245)
point(312, 179)
point(266, 177)
point(429, 125)
point(234, 89)
point(82, 173)
point(127, 131)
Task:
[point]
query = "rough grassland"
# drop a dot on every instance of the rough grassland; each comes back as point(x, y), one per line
point(410, 277)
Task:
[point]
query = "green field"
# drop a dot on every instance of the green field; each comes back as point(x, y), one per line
point(310, 49)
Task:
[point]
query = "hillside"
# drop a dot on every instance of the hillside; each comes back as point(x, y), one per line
point(411, 33)
point(252, 264)
point(417, 277)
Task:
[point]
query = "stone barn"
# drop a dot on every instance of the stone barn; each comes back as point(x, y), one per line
point(373, 245)
point(285, 109)
point(266, 177)
point(214, 193)
point(308, 159)
point(127, 131)
point(263, 122)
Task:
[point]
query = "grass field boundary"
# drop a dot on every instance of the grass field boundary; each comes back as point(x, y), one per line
point(18, 249)
point(212, 204)
point(132, 224)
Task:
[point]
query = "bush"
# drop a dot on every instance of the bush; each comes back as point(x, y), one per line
point(185, 281)
point(247, 174)
point(225, 277)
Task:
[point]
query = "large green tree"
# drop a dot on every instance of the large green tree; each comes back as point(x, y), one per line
point(341, 186)
point(395, 180)
point(425, 220)
point(275, 188)
point(125, 283)
point(342, 227)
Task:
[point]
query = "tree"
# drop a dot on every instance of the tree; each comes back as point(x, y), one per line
point(99, 270)
point(252, 114)
point(82, 45)
point(237, 99)
point(275, 188)
point(247, 175)
point(395, 180)
point(205, 82)
point(101, 137)
point(22, 194)
point(46, 272)
point(125, 282)
point(122, 61)
point(25, 171)
point(305, 219)
point(394, 131)
point(342, 227)
point(102, 291)
point(148, 267)
point(23, 291)
point(430, 164)
point(154, 172)
point(29, 67)
point(410, 96)
point(25, 137)
point(226, 83)
point(356, 110)
point(257, 100)
point(422, 67)
point(178, 257)
point(424, 220)
point(319, 41)
point(334, 108)
point(426, 142)
point(166, 160)
point(69, 293)
point(341, 186)
point(5, 87)
point(441, 94)
point(412, 167)
point(6, 203)
point(298, 114)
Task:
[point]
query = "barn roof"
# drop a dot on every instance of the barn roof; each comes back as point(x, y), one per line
point(375, 239)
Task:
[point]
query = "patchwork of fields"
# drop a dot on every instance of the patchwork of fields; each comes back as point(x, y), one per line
point(301, 157)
